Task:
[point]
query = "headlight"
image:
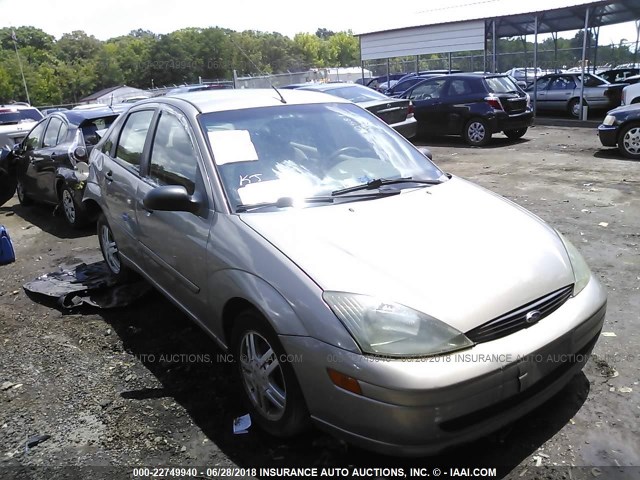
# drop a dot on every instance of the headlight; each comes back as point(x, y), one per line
point(609, 120)
point(581, 272)
point(391, 329)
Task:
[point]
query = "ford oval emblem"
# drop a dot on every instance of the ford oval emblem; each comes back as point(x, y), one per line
point(533, 317)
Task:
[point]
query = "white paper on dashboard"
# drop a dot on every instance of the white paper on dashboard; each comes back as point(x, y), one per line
point(232, 146)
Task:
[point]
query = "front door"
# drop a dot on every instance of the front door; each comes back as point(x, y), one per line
point(175, 243)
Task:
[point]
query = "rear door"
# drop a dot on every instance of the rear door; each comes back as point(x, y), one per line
point(120, 178)
point(175, 243)
point(459, 96)
point(427, 100)
point(561, 89)
point(49, 159)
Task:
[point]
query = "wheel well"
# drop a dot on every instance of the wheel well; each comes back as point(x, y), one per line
point(92, 208)
point(59, 184)
point(635, 100)
point(232, 308)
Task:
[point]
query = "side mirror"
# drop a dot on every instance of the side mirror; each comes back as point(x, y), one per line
point(171, 198)
point(425, 151)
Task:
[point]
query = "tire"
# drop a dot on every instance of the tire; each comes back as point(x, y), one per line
point(274, 399)
point(476, 132)
point(515, 134)
point(74, 213)
point(110, 251)
point(629, 141)
point(574, 107)
point(23, 198)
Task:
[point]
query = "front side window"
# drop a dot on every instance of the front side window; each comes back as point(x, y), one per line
point(428, 90)
point(300, 151)
point(132, 138)
point(173, 156)
point(34, 139)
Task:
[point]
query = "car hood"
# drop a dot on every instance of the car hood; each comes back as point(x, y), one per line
point(625, 109)
point(454, 251)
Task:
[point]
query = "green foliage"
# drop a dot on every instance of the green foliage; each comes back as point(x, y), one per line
point(66, 70)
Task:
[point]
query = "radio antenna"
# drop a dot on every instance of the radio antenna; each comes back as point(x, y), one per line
point(257, 68)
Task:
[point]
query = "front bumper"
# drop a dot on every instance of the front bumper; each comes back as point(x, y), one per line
point(407, 129)
point(422, 406)
point(608, 135)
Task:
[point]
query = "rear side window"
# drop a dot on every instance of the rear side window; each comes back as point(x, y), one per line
point(502, 85)
point(55, 133)
point(428, 90)
point(132, 137)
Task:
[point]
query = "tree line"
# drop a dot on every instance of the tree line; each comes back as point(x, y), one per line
point(63, 71)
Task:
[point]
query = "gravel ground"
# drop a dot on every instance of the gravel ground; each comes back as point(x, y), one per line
point(143, 386)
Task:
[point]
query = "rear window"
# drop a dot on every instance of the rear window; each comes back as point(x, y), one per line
point(501, 85)
point(12, 116)
point(357, 93)
point(90, 127)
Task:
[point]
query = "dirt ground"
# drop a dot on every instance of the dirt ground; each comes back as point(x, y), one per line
point(143, 386)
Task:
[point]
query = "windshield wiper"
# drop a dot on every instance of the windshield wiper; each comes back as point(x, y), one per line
point(284, 202)
point(379, 182)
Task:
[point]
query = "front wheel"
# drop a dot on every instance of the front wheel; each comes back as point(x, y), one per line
point(476, 132)
point(270, 387)
point(23, 198)
point(515, 134)
point(110, 251)
point(629, 142)
point(74, 213)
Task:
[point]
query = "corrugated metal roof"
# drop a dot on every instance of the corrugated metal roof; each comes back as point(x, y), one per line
point(515, 18)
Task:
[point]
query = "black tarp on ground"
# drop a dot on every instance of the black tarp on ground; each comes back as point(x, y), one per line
point(87, 284)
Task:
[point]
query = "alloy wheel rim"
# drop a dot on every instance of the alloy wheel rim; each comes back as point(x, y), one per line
point(68, 206)
point(476, 132)
point(110, 249)
point(575, 110)
point(631, 141)
point(262, 376)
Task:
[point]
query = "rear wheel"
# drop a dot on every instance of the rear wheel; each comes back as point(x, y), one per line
point(574, 107)
point(23, 198)
point(110, 251)
point(476, 132)
point(271, 390)
point(629, 141)
point(515, 134)
point(74, 213)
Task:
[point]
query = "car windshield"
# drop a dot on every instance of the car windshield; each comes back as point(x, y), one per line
point(302, 151)
point(501, 85)
point(356, 93)
point(12, 116)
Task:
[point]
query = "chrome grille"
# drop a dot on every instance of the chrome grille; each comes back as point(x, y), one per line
point(516, 319)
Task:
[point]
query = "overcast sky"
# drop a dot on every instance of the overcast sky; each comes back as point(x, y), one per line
point(110, 18)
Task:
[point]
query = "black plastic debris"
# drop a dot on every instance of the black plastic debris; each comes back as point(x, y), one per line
point(36, 440)
point(87, 284)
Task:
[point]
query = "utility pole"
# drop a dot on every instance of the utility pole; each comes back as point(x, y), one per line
point(24, 82)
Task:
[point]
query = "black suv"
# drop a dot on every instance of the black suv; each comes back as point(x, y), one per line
point(474, 106)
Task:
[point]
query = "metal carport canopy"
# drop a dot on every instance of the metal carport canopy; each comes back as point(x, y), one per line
point(466, 27)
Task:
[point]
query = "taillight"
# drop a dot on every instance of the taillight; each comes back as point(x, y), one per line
point(410, 110)
point(494, 102)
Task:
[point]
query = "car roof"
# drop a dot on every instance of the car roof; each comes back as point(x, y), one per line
point(234, 99)
point(76, 117)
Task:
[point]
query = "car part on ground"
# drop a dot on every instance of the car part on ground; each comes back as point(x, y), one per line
point(330, 256)
point(87, 284)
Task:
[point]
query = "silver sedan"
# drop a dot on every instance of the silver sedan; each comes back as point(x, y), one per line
point(359, 287)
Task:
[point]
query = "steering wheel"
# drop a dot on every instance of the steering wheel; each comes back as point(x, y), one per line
point(345, 151)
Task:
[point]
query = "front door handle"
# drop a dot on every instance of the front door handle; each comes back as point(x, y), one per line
point(108, 176)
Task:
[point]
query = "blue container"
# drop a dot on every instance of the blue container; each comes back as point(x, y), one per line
point(7, 254)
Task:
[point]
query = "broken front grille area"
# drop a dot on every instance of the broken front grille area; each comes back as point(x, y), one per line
point(516, 319)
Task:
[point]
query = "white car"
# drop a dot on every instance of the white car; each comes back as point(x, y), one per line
point(16, 121)
point(631, 93)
